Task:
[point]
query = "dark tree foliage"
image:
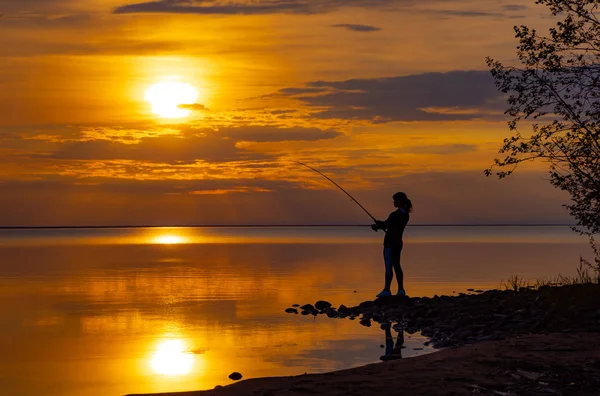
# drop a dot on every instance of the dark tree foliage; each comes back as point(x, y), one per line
point(557, 87)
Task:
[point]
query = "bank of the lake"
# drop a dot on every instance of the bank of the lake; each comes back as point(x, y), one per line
point(531, 342)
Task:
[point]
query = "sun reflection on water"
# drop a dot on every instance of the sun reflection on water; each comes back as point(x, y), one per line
point(172, 359)
point(169, 239)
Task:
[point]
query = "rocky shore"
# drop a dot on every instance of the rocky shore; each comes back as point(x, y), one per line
point(451, 321)
point(508, 343)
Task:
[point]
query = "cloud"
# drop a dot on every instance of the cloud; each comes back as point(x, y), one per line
point(255, 7)
point(14, 6)
point(442, 149)
point(356, 27)
point(232, 8)
point(306, 7)
point(193, 106)
point(164, 149)
point(515, 7)
point(124, 46)
point(283, 111)
point(469, 95)
point(46, 21)
point(439, 198)
point(221, 191)
point(277, 134)
point(465, 13)
point(304, 90)
point(172, 147)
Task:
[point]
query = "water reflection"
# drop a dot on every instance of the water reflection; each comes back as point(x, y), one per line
point(393, 350)
point(172, 358)
point(102, 319)
point(169, 239)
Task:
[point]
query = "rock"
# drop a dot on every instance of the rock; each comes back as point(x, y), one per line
point(218, 386)
point(428, 331)
point(365, 322)
point(291, 310)
point(344, 309)
point(443, 344)
point(321, 305)
point(305, 312)
point(366, 306)
point(296, 305)
point(307, 307)
point(235, 376)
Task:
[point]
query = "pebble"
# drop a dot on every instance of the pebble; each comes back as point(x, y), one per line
point(322, 305)
point(235, 376)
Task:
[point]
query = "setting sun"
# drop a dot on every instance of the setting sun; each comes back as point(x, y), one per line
point(165, 98)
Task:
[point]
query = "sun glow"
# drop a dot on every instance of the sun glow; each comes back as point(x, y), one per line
point(165, 98)
point(171, 358)
point(169, 239)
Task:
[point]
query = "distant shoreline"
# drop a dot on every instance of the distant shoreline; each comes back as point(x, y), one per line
point(266, 226)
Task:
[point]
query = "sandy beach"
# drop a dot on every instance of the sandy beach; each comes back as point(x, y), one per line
point(545, 342)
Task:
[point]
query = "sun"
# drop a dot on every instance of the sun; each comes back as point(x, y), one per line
point(165, 98)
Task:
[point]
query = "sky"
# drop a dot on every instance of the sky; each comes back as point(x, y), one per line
point(380, 95)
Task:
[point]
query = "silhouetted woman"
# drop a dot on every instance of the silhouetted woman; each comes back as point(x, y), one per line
point(392, 243)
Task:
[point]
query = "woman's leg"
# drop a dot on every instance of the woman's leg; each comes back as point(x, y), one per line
point(388, 259)
point(395, 258)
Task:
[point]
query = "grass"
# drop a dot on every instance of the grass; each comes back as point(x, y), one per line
point(586, 273)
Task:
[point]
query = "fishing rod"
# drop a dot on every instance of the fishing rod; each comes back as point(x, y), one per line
point(338, 186)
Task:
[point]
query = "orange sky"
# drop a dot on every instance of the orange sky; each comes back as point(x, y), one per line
point(382, 95)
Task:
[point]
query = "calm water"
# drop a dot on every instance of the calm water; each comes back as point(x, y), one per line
point(116, 311)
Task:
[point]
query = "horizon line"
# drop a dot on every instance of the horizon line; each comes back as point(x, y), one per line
point(271, 226)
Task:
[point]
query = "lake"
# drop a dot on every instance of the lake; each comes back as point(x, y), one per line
point(114, 311)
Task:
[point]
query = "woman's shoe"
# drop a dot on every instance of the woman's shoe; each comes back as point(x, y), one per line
point(384, 293)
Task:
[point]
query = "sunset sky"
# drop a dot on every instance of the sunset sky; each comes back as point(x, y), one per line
point(381, 95)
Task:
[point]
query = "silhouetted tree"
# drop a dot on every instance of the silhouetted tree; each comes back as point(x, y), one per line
point(557, 86)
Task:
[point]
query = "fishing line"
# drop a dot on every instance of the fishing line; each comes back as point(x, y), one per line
point(338, 186)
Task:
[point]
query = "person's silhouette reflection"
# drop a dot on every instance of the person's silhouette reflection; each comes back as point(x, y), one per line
point(392, 351)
